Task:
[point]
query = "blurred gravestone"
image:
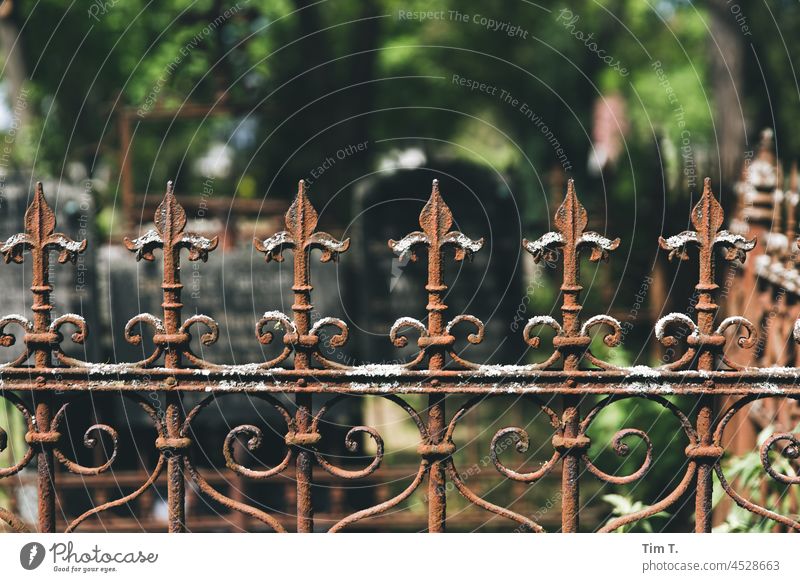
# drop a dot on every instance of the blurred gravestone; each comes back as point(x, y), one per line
point(487, 287)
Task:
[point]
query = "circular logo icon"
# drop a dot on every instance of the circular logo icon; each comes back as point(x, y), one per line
point(31, 555)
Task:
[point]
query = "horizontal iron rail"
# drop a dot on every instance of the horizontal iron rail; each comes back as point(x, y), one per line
point(783, 381)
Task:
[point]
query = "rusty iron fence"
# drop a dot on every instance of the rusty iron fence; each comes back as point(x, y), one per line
point(570, 387)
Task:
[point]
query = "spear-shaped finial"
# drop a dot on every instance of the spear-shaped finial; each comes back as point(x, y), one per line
point(40, 238)
point(301, 237)
point(707, 217)
point(436, 219)
point(172, 334)
point(571, 237)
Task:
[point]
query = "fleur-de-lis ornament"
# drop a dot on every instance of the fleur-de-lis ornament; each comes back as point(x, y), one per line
point(571, 237)
point(436, 219)
point(172, 336)
point(707, 217)
point(301, 237)
point(42, 335)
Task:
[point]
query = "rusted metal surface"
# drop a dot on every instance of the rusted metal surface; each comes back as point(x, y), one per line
point(435, 340)
point(43, 382)
point(570, 343)
point(172, 336)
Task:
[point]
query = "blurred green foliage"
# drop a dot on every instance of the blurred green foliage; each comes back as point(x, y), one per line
point(298, 70)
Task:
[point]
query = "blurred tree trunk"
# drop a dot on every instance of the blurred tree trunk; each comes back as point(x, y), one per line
point(727, 55)
point(728, 90)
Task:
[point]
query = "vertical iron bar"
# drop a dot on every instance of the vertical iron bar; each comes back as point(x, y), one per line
point(40, 238)
point(174, 340)
point(45, 479)
point(304, 467)
point(301, 222)
point(437, 480)
point(571, 341)
point(436, 220)
point(568, 220)
point(709, 216)
point(301, 309)
point(41, 289)
point(176, 483)
point(705, 467)
point(705, 343)
point(570, 469)
point(172, 305)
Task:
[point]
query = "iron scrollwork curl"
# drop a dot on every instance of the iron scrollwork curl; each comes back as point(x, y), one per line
point(90, 442)
point(374, 464)
point(622, 449)
point(790, 452)
point(253, 443)
point(28, 416)
point(14, 521)
point(521, 445)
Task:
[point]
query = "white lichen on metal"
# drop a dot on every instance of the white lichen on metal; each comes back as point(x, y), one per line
point(546, 240)
point(597, 239)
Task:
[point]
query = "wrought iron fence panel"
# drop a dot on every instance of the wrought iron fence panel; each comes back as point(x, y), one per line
point(570, 387)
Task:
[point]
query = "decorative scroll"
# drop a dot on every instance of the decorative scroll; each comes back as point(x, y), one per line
point(521, 444)
point(91, 442)
point(254, 441)
point(27, 456)
point(572, 340)
point(622, 449)
point(790, 449)
point(351, 445)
